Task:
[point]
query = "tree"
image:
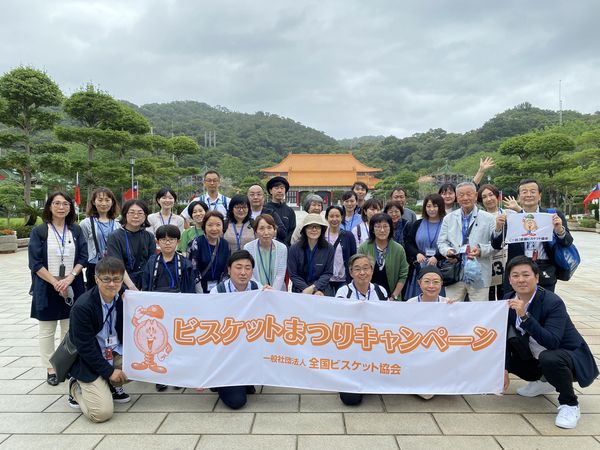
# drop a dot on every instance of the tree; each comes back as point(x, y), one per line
point(27, 95)
point(105, 123)
point(183, 145)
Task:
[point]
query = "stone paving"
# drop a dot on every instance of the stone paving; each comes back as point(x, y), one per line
point(35, 415)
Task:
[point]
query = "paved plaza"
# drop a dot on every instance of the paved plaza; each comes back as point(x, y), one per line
point(34, 414)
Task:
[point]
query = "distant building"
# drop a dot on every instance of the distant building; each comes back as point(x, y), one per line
point(322, 174)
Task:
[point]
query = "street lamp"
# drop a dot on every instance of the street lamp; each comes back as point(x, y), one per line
point(132, 163)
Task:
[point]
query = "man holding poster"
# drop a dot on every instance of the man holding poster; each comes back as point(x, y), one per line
point(533, 244)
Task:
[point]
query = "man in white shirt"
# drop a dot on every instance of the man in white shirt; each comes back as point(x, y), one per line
point(212, 197)
point(466, 235)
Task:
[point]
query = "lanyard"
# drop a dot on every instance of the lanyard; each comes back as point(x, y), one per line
point(101, 229)
point(367, 297)
point(262, 264)
point(163, 220)
point(214, 204)
point(130, 259)
point(310, 254)
point(61, 247)
point(238, 236)
point(213, 268)
point(466, 229)
point(108, 319)
point(351, 222)
point(168, 271)
point(435, 236)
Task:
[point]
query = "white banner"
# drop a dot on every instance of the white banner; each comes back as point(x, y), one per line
point(277, 338)
point(529, 227)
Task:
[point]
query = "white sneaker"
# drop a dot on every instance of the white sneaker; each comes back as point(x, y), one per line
point(535, 388)
point(567, 416)
point(426, 396)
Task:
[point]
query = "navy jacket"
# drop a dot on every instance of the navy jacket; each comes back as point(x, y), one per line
point(348, 244)
point(298, 267)
point(288, 217)
point(551, 326)
point(41, 309)
point(200, 255)
point(186, 284)
point(410, 243)
point(86, 323)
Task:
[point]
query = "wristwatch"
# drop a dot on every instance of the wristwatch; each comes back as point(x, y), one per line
point(74, 274)
point(525, 317)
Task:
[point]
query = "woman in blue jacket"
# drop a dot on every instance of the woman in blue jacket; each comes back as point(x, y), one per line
point(310, 260)
point(57, 256)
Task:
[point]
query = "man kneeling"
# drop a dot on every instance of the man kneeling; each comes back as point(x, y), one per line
point(97, 331)
point(240, 266)
point(544, 347)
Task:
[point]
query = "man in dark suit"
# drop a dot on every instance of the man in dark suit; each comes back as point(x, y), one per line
point(96, 329)
point(530, 195)
point(543, 345)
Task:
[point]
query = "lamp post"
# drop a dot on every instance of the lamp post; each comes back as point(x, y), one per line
point(132, 163)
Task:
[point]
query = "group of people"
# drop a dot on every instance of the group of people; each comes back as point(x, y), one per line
point(361, 250)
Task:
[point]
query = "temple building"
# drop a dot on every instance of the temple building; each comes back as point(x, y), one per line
point(322, 174)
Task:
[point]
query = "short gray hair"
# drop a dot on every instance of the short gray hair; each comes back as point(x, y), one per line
point(358, 256)
point(466, 183)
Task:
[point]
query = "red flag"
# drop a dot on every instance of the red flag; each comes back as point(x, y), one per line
point(130, 194)
point(77, 192)
point(595, 194)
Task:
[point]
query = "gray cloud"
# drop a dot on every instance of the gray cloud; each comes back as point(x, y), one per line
point(348, 68)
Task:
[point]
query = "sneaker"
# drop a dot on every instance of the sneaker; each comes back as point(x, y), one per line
point(72, 402)
point(426, 396)
point(161, 387)
point(535, 388)
point(70, 399)
point(567, 416)
point(119, 395)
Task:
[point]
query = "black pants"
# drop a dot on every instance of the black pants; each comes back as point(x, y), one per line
point(350, 399)
point(555, 365)
point(496, 292)
point(235, 396)
point(90, 276)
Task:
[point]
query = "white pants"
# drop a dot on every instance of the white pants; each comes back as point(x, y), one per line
point(46, 335)
point(458, 292)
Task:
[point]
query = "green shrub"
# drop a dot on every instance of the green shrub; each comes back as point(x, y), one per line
point(23, 231)
point(587, 222)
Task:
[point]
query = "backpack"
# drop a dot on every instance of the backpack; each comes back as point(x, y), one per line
point(221, 287)
point(378, 291)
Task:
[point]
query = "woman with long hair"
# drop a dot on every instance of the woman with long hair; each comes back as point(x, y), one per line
point(310, 260)
point(99, 224)
point(421, 240)
point(391, 268)
point(238, 230)
point(132, 244)
point(448, 193)
point(57, 255)
point(270, 255)
point(344, 246)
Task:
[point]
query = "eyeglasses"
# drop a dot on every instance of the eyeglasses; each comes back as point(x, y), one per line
point(381, 226)
point(107, 280)
point(431, 282)
point(313, 227)
point(136, 213)
point(258, 194)
point(64, 204)
point(362, 269)
point(240, 207)
point(167, 240)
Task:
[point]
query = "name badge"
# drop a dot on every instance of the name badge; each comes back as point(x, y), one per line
point(108, 354)
point(463, 249)
point(111, 341)
point(429, 252)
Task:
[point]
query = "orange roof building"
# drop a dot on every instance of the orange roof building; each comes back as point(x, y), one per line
point(321, 173)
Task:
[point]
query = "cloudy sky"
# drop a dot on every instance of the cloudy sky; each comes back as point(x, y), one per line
point(347, 67)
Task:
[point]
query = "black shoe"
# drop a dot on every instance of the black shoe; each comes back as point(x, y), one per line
point(250, 390)
point(119, 395)
point(52, 379)
point(177, 388)
point(161, 387)
point(70, 400)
